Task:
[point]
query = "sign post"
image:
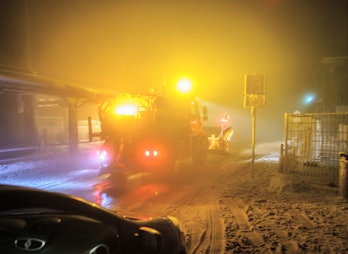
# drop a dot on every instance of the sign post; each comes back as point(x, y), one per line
point(254, 96)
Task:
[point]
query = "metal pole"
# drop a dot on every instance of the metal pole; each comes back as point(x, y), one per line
point(343, 176)
point(73, 126)
point(90, 130)
point(253, 119)
point(285, 158)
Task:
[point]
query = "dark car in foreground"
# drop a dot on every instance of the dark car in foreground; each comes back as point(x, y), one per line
point(38, 221)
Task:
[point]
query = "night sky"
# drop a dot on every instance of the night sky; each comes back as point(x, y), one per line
point(135, 45)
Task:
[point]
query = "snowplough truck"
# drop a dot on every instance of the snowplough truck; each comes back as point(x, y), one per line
point(150, 132)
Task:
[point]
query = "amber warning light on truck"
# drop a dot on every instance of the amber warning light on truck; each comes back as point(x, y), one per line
point(184, 86)
point(126, 109)
point(127, 105)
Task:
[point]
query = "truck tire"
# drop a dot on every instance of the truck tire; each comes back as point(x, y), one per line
point(200, 150)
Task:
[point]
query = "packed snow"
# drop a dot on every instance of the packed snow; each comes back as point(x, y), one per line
point(258, 209)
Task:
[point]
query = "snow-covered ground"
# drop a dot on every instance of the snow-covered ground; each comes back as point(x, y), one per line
point(280, 213)
point(56, 170)
point(227, 208)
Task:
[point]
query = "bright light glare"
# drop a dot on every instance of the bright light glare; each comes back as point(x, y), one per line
point(126, 110)
point(184, 86)
point(309, 98)
point(153, 153)
point(102, 155)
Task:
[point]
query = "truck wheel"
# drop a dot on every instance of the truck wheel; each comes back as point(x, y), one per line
point(200, 150)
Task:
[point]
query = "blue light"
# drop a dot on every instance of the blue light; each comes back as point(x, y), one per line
point(309, 98)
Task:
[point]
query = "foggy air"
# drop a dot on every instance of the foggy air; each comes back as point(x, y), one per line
point(137, 45)
point(154, 107)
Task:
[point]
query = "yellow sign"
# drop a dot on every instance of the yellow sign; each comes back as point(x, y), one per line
point(254, 90)
point(254, 100)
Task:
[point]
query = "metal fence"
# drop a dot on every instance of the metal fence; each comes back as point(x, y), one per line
point(313, 143)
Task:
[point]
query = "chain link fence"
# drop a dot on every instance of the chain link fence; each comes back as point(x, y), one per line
point(313, 143)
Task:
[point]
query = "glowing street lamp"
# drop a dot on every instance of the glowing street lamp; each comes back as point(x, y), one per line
point(309, 99)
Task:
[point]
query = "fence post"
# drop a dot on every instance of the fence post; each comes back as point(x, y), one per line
point(281, 159)
point(343, 175)
point(285, 156)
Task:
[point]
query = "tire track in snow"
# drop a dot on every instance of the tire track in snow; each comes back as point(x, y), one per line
point(211, 238)
point(239, 210)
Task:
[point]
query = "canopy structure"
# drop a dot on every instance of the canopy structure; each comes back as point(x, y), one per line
point(24, 82)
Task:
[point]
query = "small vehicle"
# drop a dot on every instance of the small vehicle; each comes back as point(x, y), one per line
point(221, 143)
point(38, 221)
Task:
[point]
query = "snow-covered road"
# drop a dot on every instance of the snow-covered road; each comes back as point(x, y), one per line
point(222, 206)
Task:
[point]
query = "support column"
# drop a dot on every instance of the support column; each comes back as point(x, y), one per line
point(73, 125)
